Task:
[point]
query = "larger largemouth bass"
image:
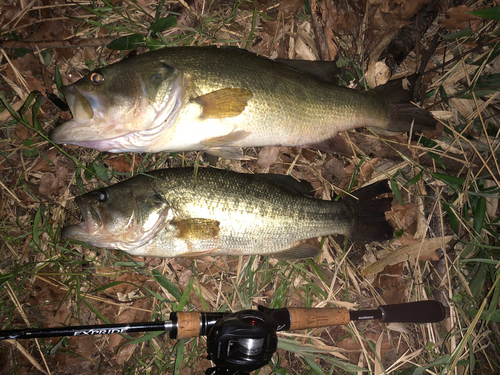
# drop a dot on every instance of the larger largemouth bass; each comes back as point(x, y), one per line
point(181, 212)
point(220, 100)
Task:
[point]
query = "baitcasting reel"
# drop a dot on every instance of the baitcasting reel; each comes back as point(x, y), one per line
point(242, 342)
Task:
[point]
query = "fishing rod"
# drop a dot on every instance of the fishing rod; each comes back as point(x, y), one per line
point(244, 341)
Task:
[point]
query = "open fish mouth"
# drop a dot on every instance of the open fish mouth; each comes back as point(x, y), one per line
point(86, 118)
point(91, 223)
point(89, 122)
point(100, 124)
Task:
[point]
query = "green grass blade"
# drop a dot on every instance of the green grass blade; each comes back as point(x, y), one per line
point(487, 13)
point(167, 284)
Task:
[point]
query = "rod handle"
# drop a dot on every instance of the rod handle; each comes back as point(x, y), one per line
point(413, 312)
point(186, 324)
point(304, 317)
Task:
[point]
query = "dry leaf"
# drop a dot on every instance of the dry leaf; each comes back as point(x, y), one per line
point(43, 165)
point(398, 327)
point(491, 203)
point(367, 170)
point(9, 16)
point(125, 353)
point(403, 216)
point(268, 156)
point(185, 277)
point(53, 183)
point(378, 350)
point(290, 5)
point(404, 253)
point(458, 19)
point(32, 360)
point(121, 164)
point(22, 132)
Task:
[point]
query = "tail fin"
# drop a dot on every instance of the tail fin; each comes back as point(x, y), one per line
point(401, 111)
point(370, 223)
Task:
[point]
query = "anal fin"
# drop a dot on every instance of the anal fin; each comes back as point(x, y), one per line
point(336, 145)
point(302, 250)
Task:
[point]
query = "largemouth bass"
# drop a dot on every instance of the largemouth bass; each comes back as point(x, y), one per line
point(221, 100)
point(181, 212)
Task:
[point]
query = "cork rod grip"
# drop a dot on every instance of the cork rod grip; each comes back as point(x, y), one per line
point(303, 317)
point(188, 324)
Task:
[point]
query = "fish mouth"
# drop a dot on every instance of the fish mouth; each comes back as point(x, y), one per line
point(96, 126)
point(89, 127)
point(90, 226)
point(99, 228)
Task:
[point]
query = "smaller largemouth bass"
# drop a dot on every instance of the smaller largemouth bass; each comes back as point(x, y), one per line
point(221, 100)
point(180, 212)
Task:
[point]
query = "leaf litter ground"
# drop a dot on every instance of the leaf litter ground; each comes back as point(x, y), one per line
point(444, 211)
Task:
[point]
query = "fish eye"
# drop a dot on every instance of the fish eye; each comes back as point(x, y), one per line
point(96, 78)
point(102, 195)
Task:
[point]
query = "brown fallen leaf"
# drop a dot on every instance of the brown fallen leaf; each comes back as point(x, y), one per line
point(28, 356)
point(268, 156)
point(125, 352)
point(432, 256)
point(459, 19)
point(53, 183)
point(435, 133)
point(334, 172)
point(403, 216)
point(366, 170)
point(43, 164)
point(14, 15)
point(185, 277)
point(392, 283)
point(22, 132)
point(121, 164)
point(404, 253)
point(290, 5)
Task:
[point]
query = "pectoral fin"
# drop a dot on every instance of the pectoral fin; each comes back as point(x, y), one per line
point(226, 140)
point(197, 229)
point(224, 103)
point(300, 251)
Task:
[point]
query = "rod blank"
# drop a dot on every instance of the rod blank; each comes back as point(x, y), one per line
point(102, 329)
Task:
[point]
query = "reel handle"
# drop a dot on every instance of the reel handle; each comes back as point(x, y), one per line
point(304, 317)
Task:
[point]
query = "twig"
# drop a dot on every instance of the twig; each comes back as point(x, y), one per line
point(423, 63)
point(68, 43)
point(319, 30)
point(404, 42)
